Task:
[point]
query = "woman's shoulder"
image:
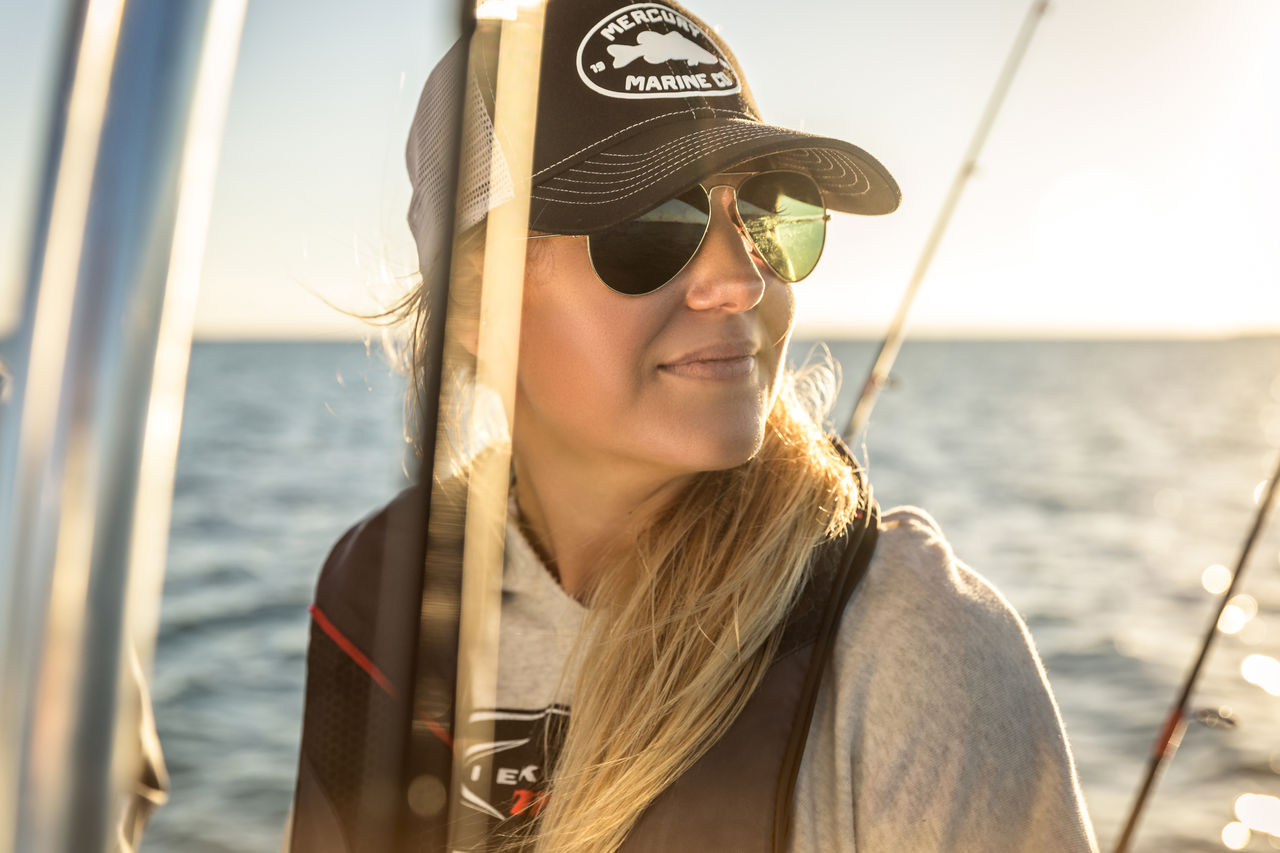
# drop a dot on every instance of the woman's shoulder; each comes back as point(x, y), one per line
point(373, 561)
point(927, 633)
point(918, 582)
point(949, 693)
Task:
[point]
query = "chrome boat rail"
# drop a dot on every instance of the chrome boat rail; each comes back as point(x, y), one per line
point(88, 438)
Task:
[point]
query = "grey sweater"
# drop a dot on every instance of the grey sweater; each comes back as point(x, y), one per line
point(935, 729)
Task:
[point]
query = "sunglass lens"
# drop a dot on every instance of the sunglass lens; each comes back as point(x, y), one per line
point(786, 220)
point(639, 256)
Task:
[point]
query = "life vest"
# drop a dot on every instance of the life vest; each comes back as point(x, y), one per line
point(353, 775)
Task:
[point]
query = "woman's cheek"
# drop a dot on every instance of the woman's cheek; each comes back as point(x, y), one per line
point(779, 309)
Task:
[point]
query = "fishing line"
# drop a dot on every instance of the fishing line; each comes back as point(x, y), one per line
point(1170, 736)
point(878, 376)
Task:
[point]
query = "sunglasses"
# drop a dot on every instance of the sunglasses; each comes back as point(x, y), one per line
point(781, 212)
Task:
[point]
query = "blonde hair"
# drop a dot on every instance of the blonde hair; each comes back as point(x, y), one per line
point(680, 634)
point(683, 626)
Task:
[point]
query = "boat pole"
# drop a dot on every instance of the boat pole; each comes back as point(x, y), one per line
point(89, 435)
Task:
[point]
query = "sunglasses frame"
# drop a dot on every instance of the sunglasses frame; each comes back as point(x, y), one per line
point(737, 222)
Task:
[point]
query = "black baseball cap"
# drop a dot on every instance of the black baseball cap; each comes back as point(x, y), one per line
point(637, 102)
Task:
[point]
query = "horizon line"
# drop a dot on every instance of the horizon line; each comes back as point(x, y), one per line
point(842, 334)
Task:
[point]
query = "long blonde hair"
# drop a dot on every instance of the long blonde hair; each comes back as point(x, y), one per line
point(681, 632)
point(683, 626)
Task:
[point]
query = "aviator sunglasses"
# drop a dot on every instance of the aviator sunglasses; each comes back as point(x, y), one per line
point(781, 212)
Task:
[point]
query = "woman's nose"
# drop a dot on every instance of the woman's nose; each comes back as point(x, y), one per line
point(724, 274)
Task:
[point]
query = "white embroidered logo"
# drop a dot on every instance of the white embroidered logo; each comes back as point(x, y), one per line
point(648, 50)
point(657, 49)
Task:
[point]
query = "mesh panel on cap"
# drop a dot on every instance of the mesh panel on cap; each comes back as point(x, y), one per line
point(432, 155)
point(481, 186)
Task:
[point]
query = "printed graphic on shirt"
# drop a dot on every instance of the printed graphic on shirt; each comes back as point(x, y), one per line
point(515, 763)
point(648, 50)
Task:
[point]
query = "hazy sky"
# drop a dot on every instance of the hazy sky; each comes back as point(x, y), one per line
point(1130, 185)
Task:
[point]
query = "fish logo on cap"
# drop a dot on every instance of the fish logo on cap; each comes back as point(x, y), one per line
point(648, 50)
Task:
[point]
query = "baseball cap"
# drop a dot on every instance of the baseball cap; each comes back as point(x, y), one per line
point(637, 102)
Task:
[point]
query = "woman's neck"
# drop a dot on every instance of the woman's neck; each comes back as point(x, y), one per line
point(574, 513)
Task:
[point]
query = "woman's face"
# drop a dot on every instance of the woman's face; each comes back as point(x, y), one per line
point(661, 385)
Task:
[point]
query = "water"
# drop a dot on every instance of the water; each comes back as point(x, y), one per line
point(1091, 481)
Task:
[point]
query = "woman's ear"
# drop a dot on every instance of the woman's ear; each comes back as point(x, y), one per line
point(464, 296)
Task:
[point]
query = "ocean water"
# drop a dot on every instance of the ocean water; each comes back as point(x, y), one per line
point(1092, 482)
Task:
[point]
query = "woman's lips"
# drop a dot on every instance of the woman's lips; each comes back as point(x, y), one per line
point(724, 361)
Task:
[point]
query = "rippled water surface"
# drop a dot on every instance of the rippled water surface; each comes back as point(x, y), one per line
point(1092, 482)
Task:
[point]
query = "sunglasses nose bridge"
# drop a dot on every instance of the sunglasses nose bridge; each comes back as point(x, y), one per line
point(716, 199)
point(724, 197)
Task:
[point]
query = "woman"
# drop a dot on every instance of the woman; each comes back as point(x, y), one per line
point(710, 640)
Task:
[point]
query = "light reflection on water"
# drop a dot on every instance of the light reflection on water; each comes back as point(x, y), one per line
point(1259, 812)
point(1237, 613)
point(1216, 579)
point(1263, 671)
point(1092, 482)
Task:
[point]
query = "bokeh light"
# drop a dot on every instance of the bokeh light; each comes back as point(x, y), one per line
point(1216, 579)
point(1263, 671)
point(1245, 603)
point(1259, 490)
point(1259, 812)
point(1237, 613)
point(1236, 836)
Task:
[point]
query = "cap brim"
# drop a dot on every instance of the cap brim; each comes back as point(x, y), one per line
point(634, 175)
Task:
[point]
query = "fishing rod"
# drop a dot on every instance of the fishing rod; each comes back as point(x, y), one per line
point(424, 788)
point(458, 629)
point(489, 475)
point(878, 376)
point(1170, 735)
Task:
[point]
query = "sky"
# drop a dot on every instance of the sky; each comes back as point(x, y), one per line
point(1128, 188)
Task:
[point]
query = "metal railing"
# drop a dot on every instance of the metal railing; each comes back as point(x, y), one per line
point(88, 439)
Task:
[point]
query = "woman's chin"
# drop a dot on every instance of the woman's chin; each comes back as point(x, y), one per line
point(717, 449)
